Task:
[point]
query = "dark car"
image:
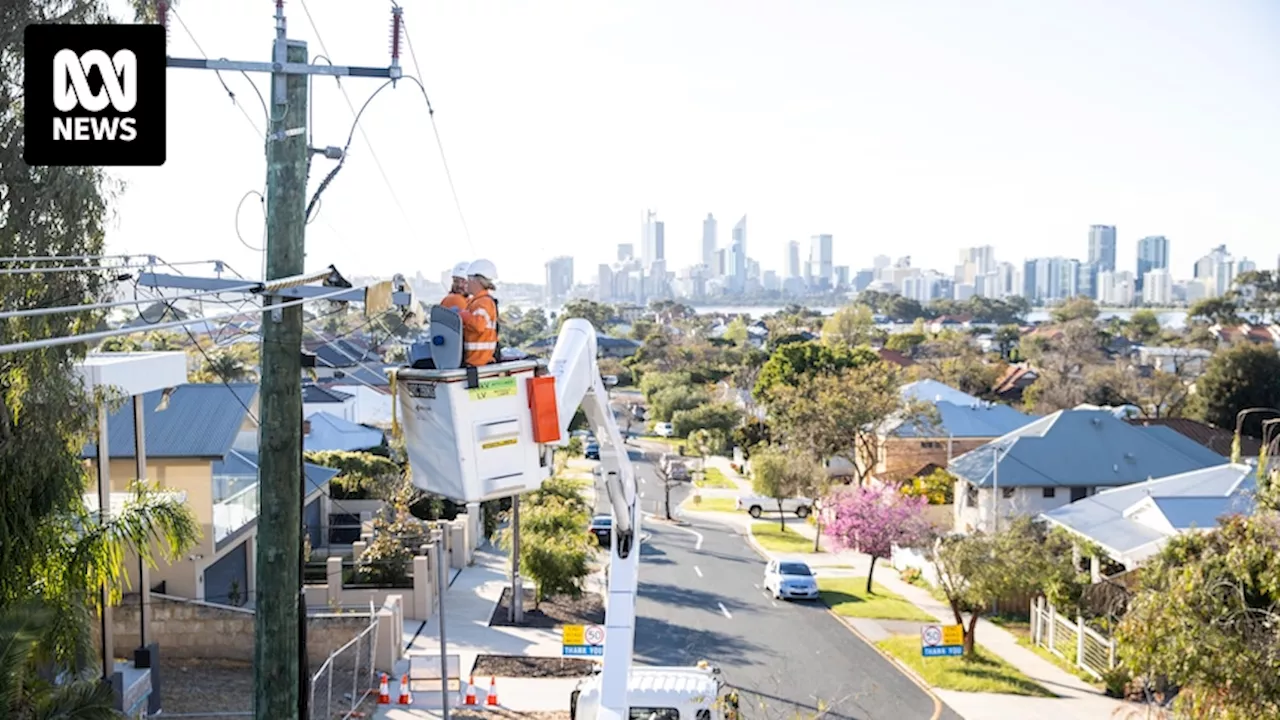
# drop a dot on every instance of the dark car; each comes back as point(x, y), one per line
point(601, 527)
point(592, 451)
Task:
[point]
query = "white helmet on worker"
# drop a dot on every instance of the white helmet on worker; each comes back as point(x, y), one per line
point(460, 270)
point(483, 268)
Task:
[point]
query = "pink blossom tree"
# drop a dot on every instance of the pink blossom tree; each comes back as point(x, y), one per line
point(872, 520)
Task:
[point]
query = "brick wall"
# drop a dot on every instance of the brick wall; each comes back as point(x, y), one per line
point(190, 629)
point(902, 457)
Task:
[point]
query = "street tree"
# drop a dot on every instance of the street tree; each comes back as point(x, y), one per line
point(599, 315)
point(872, 520)
point(850, 326)
point(1220, 310)
point(794, 364)
point(976, 570)
point(736, 331)
point(1143, 326)
point(937, 487)
point(1206, 617)
point(1237, 378)
point(1077, 308)
point(718, 418)
point(776, 474)
point(1259, 291)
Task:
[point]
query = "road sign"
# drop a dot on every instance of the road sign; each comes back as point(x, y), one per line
point(941, 640)
point(582, 640)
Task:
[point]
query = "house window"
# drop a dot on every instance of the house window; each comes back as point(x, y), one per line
point(971, 496)
point(1050, 492)
point(1007, 493)
point(1079, 493)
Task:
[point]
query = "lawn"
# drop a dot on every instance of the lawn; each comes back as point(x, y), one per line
point(773, 538)
point(720, 504)
point(675, 442)
point(848, 596)
point(1020, 628)
point(983, 673)
point(713, 478)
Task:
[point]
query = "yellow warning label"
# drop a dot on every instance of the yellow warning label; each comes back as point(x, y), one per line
point(493, 388)
point(499, 443)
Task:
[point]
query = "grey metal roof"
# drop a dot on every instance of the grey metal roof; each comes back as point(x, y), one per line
point(201, 421)
point(330, 432)
point(986, 420)
point(367, 374)
point(243, 462)
point(1082, 448)
point(315, 394)
point(1186, 500)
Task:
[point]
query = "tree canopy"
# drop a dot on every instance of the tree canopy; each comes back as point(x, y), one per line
point(871, 520)
point(794, 363)
point(1238, 378)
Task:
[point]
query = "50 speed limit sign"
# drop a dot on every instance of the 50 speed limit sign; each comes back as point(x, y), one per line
point(594, 635)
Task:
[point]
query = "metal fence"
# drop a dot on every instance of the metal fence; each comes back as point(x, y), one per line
point(347, 677)
point(1072, 640)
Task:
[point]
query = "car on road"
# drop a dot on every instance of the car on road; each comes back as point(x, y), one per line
point(673, 467)
point(592, 451)
point(601, 528)
point(664, 429)
point(756, 505)
point(787, 580)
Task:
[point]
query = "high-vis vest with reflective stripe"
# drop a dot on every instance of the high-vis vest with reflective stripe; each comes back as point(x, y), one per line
point(457, 301)
point(480, 330)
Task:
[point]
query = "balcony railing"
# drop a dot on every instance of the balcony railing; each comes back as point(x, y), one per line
point(235, 512)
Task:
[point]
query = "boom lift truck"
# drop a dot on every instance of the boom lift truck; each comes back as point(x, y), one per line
point(476, 434)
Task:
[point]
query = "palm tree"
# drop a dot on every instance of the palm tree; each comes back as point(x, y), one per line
point(25, 629)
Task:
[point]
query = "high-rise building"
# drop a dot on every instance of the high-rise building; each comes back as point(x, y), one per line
point(1217, 271)
point(709, 242)
point(793, 259)
point(737, 270)
point(1153, 254)
point(1116, 289)
point(1102, 247)
point(559, 278)
point(1157, 288)
point(820, 262)
point(604, 284)
point(626, 252)
point(651, 239)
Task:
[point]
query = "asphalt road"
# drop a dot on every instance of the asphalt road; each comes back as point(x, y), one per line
point(700, 598)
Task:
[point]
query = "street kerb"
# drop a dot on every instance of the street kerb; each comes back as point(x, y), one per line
point(911, 674)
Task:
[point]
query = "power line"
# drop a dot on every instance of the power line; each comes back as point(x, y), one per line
point(436, 129)
point(227, 88)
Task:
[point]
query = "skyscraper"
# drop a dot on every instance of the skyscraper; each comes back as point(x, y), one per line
point(1153, 254)
point(820, 261)
point(709, 242)
point(559, 278)
point(793, 260)
point(738, 247)
point(1102, 247)
point(651, 239)
point(626, 251)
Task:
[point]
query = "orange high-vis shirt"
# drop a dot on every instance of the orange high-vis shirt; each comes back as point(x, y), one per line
point(456, 301)
point(480, 330)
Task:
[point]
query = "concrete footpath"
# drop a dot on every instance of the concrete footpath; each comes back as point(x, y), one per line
point(1077, 700)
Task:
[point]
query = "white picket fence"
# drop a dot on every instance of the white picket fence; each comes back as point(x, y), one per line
point(1072, 640)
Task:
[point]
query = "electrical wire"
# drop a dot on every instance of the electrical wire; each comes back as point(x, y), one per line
point(324, 184)
point(261, 201)
point(218, 73)
point(431, 113)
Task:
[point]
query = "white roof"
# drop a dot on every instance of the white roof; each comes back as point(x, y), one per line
point(932, 391)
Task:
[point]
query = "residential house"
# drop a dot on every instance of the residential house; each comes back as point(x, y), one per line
point(1186, 362)
point(1132, 522)
point(201, 440)
point(895, 357)
point(1015, 379)
point(1247, 332)
point(370, 383)
point(331, 400)
point(322, 431)
point(963, 422)
point(329, 357)
point(1063, 458)
point(1214, 438)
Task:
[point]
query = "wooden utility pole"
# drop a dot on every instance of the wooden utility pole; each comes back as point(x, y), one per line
point(279, 674)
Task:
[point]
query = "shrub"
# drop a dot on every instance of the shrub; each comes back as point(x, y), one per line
point(575, 448)
point(911, 575)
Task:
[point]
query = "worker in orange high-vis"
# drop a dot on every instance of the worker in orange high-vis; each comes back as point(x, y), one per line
point(480, 319)
point(457, 297)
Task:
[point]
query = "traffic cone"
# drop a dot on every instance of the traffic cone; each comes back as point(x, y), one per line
point(471, 692)
point(492, 697)
point(384, 692)
point(405, 697)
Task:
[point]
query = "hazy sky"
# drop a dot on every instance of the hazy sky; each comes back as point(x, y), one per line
point(902, 128)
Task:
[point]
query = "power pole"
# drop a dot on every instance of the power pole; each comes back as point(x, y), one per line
point(281, 682)
point(279, 670)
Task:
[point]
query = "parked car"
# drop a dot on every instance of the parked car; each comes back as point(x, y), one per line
point(664, 429)
point(592, 451)
point(790, 580)
point(757, 506)
point(673, 467)
point(601, 528)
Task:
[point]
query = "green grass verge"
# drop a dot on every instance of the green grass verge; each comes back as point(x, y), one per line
point(1021, 630)
point(981, 673)
point(774, 539)
point(711, 505)
point(848, 596)
point(713, 478)
point(674, 442)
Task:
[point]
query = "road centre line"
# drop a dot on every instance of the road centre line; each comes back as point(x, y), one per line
point(697, 570)
point(725, 610)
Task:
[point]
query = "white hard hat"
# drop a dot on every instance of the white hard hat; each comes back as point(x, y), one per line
point(483, 268)
point(460, 270)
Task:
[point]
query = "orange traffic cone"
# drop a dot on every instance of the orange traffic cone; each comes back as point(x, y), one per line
point(471, 692)
point(492, 697)
point(405, 697)
point(384, 692)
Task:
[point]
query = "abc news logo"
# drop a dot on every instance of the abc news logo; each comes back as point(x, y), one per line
point(95, 95)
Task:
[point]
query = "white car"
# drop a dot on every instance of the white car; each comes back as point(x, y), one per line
point(787, 580)
point(756, 505)
point(664, 429)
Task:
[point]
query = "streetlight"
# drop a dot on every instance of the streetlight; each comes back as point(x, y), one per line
point(1235, 441)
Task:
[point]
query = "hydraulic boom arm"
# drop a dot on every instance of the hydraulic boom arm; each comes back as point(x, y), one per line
point(578, 384)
